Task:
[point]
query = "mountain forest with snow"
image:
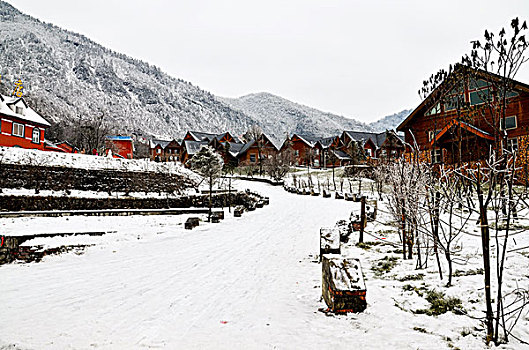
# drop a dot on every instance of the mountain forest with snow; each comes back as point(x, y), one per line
point(67, 76)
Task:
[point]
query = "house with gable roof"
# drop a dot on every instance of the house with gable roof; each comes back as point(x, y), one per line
point(164, 150)
point(20, 125)
point(454, 124)
point(383, 145)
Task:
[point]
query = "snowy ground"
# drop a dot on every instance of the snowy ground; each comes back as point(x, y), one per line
point(249, 282)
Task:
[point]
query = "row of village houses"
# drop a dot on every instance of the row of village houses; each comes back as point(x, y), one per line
point(22, 127)
point(305, 150)
point(442, 130)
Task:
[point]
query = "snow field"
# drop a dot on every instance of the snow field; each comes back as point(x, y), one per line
point(246, 283)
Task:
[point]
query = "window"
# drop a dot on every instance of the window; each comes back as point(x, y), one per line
point(432, 134)
point(158, 150)
point(454, 99)
point(437, 155)
point(18, 129)
point(510, 123)
point(19, 110)
point(252, 158)
point(368, 152)
point(35, 138)
point(479, 92)
point(296, 153)
point(434, 110)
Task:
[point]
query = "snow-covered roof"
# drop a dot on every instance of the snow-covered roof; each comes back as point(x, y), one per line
point(201, 136)
point(161, 143)
point(29, 114)
point(310, 140)
point(193, 147)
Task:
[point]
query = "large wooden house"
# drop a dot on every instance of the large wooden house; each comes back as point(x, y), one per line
point(164, 150)
point(454, 123)
point(20, 125)
point(120, 146)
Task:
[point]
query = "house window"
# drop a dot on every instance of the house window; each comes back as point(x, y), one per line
point(432, 134)
point(296, 153)
point(479, 92)
point(434, 110)
point(158, 150)
point(510, 123)
point(437, 155)
point(252, 158)
point(18, 129)
point(19, 110)
point(35, 138)
point(368, 152)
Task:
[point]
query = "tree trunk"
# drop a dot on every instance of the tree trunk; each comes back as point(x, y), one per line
point(485, 237)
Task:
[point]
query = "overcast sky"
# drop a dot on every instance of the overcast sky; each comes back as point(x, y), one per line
point(361, 59)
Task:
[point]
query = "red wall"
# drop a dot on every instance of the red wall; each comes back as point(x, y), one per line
point(123, 147)
point(8, 140)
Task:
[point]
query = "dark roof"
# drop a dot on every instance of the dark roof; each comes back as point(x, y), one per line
point(341, 155)
point(245, 148)
point(235, 148)
point(327, 141)
point(309, 139)
point(361, 136)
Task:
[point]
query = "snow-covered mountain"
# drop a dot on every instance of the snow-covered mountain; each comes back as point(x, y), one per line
point(66, 75)
point(280, 116)
point(390, 121)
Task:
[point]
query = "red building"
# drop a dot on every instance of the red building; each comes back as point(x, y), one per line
point(20, 125)
point(122, 146)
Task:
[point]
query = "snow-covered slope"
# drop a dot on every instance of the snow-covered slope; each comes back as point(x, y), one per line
point(390, 121)
point(66, 75)
point(280, 116)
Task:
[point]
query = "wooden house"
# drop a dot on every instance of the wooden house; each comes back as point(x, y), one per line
point(383, 145)
point(20, 125)
point(327, 153)
point(164, 150)
point(454, 123)
point(304, 149)
point(249, 153)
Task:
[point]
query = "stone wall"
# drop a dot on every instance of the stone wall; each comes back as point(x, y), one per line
point(65, 179)
point(32, 203)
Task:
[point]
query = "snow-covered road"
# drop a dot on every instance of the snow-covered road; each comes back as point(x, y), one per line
point(249, 282)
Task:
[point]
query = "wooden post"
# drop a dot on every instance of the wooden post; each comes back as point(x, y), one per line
point(362, 218)
point(403, 231)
